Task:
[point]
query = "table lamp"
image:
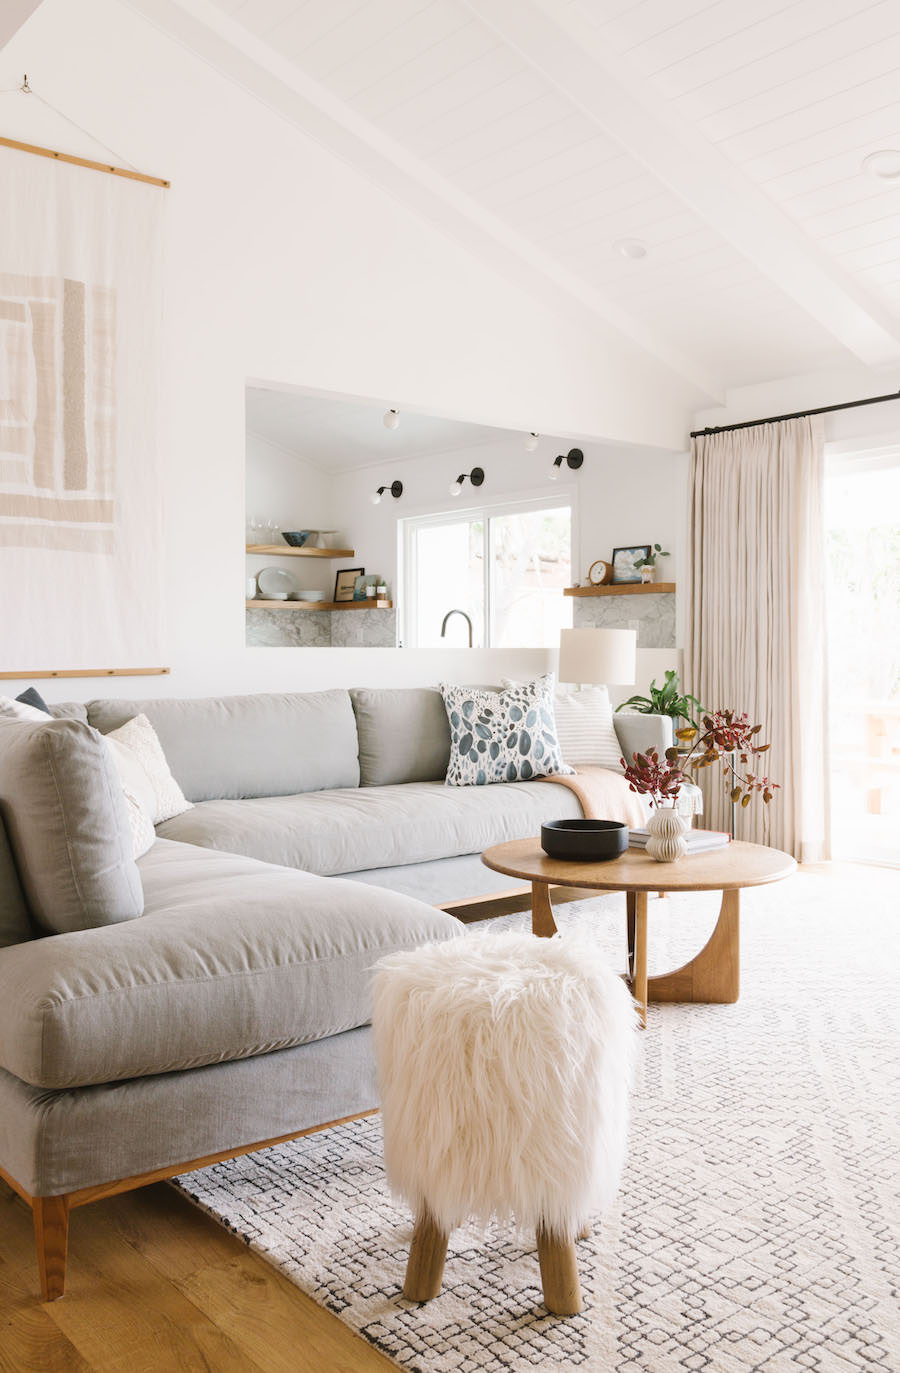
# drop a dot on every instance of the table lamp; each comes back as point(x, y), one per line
point(598, 656)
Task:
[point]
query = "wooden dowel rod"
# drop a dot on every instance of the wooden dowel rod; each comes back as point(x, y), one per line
point(83, 162)
point(87, 672)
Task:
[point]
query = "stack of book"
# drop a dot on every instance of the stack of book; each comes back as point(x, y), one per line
point(698, 841)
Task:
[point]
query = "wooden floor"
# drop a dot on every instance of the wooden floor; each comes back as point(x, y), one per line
point(155, 1286)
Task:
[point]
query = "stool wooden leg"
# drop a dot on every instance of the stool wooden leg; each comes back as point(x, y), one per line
point(425, 1267)
point(559, 1274)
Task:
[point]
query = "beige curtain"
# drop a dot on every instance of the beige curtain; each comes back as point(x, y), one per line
point(756, 622)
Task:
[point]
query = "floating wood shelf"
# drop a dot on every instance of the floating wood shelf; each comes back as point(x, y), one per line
point(281, 550)
point(259, 604)
point(626, 589)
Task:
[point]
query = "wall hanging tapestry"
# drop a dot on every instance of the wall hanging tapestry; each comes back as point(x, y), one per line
point(80, 484)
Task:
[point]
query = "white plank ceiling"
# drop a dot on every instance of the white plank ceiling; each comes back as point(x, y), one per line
point(726, 137)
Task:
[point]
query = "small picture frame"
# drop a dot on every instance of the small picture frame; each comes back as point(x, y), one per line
point(345, 581)
point(627, 563)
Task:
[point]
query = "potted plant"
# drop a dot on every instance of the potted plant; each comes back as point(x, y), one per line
point(648, 566)
point(723, 737)
point(666, 700)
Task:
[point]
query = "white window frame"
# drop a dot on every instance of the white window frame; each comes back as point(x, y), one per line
point(560, 498)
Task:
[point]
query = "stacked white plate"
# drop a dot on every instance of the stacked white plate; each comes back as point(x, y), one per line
point(274, 585)
point(307, 595)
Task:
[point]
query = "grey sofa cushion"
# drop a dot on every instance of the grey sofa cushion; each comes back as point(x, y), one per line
point(232, 958)
point(636, 733)
point(68, 710)
point(403, 735)
point(15, 925)
point(273, 744)
point(67, 822)
point(374, 827)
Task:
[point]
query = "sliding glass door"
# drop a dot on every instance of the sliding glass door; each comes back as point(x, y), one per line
point(862, 516)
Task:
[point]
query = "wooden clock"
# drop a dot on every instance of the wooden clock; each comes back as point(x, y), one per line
point(600, 573)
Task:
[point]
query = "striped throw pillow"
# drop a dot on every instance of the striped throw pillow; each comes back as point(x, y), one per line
point(585, 729)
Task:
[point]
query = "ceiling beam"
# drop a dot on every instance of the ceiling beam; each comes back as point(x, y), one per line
point(285, 88)
point(560, 45)
point(13, 14)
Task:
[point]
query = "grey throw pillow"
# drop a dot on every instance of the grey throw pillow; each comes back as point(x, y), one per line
point(502, 736)
point(67, 822)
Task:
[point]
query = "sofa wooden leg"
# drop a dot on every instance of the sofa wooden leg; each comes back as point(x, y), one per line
point(51, 1234)
point(425, 1268)
point(559, 1274)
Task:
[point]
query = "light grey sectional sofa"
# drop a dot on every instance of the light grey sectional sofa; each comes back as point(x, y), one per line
point(213, 996)
point(348, 783)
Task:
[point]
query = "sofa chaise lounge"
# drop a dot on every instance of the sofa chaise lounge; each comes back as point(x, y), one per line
point(204, 1000)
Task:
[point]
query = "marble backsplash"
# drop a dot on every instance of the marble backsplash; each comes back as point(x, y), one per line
point(653, 616)
point(321, 628)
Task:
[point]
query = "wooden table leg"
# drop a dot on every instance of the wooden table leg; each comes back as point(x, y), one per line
point(714, 975)
point(637, 949)
point(542, 922)
point(630, 905)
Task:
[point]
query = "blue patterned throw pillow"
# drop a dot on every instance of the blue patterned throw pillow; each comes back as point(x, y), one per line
point(502, 736)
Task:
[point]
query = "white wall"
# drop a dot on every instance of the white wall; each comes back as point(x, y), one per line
point(619, 496)
point(286, 487)
point(808, 392)
point(283, 264)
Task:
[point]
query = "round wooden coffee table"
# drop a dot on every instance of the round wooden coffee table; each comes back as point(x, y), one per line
point(713, 975)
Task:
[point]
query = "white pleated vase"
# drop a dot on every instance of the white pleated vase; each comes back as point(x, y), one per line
point(667, 828)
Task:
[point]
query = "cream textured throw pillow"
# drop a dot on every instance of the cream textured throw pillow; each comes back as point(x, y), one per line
point(584, 727)
point(139, 795)
point(18, 710)
point(140, 738)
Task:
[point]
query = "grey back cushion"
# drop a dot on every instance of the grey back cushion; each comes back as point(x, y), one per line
point(404, 735)
point(15, 926)
point(67, 820)
point(68, 710)
point(230, 747)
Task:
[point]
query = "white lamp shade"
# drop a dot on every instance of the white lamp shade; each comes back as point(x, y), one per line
point(607, 656)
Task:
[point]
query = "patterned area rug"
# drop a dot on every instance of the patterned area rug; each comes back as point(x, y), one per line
point(757, 1227)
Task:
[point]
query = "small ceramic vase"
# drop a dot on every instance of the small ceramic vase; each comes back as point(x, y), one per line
point(666, 843)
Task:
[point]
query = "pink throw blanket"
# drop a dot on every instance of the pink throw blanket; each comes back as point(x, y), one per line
point(603, 795)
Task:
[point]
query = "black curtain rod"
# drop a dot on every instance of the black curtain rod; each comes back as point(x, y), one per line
point(797, 415)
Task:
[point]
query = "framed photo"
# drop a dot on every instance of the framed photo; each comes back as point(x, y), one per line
point(345, 581)
point(627, 562)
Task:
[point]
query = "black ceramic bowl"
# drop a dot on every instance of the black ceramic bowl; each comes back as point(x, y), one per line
point(584, 841)
point(295, 537)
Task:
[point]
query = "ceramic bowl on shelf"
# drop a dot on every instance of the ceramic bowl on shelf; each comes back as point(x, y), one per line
point(296, 538)
point(274, 584)
point(584, 841)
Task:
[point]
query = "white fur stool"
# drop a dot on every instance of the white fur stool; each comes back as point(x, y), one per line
point(505, 1063)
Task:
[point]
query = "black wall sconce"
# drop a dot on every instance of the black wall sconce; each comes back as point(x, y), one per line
point(476, 477)
point(395, 488)
point(574, 458)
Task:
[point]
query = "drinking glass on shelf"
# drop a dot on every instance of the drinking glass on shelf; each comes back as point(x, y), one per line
point(254, 530)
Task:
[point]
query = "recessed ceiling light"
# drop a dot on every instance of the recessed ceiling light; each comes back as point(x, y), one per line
point(630, 247)
point(884, 165)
